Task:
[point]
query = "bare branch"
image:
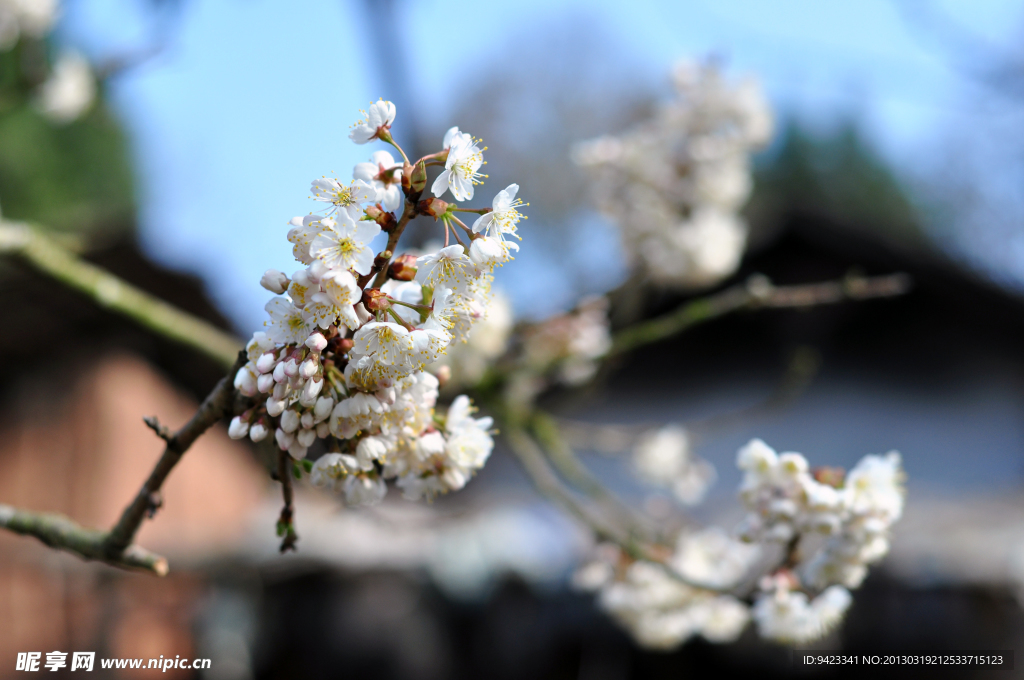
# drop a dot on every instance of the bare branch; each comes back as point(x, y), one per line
point(57, 531)
point(547, 482)
point(757, 293)
point(116, 294)
point(216, 405)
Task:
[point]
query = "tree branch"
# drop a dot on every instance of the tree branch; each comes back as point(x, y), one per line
point(216, 405)
point(113, 293)
point(57, 531)
point(547, 482)
point(756, 293)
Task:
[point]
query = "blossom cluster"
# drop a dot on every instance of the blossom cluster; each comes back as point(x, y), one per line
point(353, 339)
point(661, 610)
point(32, 18)
point(70, 88)
point(664, 457)
point(807, 539)
point(674, 185)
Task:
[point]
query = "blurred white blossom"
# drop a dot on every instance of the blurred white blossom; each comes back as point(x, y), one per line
point(675, 184)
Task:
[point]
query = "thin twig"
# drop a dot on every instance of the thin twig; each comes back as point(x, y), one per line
point(382, 271)
point(757, 293)
point(547, 482)
point(160, 430)
point(216, 405)
point(285, 523)
point(116, 294)
point(565, 460)
point(57, 531)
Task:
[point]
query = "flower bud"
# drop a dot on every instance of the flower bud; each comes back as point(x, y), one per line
point(832, 476)
point(265, 383)
point(290, 420)
point(403, 268)
point(297, 450)
point(384, 219)
point(274, 281)
point(307, 420)
point(309, 368)
point(291, 368)
point(258, 432)
point(434, 207)
point(414, 178)
point(284, 439)
point(279, 374)
point(305, 437)
point(238, 428)
point(323, 408)
point(310, 391)
point(275, 407)
point(266, 362)
point(375, 300)
point(316, 342)
point(280, 391)
point(323, 429)
point(246, 381)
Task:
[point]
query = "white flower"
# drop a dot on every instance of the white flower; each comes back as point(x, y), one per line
point(346, 198)
point(875, 485)
point(330, 470)
point(486, 252)
point(378, 119)
point(384, 175)
point(452, 135)
point(469, 440)
point(388, 343)
point(341, 287)
point(428, 344)
point(460, 172)
point(369, 450)
point(364, 490)
point(287, 325)
point(448, 266)
point(69, 90)
point(786, 616)
point(504, 216)
point(346, 245)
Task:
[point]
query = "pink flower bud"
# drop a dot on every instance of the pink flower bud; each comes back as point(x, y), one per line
point(291, 368)
point(316, 342)
point(284, 439)
point(323, 408)
point(307, 420)
point(306, 437)
point(246, 381)
point(309, 368)
point(266, 362)
point(238, 429)
point(323, 429)
point(265, 383)
point(290, 421)
point(258, 432)
point(274, 281)
point(279, 374)
point(275, 407)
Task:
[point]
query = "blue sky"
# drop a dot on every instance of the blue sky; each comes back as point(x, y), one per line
point(253, 98)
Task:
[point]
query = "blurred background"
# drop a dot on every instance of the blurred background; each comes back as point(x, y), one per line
point(898, 147)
